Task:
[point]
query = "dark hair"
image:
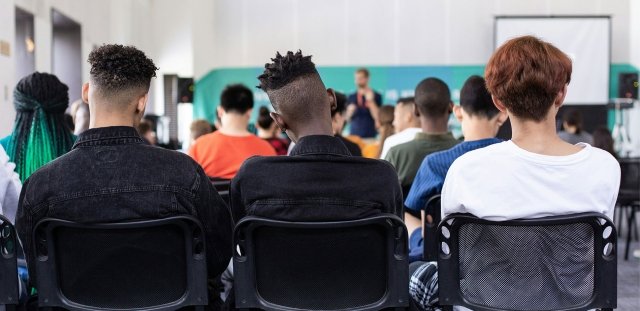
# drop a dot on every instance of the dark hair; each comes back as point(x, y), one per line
point(573, 117)
point(526, 74)
point(602, 139)
point(145, 126)
point(341, 104)
point(475, 98)
point(236, 98)
point(200, 127)
point(406, 100)
point(385, 118)
point(264, 119)
point(433, 98)
point(285, 69)
point(121, 72)
point(364, 71)
point(40, 133)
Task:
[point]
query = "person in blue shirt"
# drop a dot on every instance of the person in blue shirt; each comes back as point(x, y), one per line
point(480, 120)
point(363, 106)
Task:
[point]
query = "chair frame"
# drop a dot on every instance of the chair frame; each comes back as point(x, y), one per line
point(430, 240)
point(605, 267)
point(50, 295)
point(397, 261)
point(9, 292)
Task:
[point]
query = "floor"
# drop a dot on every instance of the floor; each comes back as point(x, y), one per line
point(628, 276)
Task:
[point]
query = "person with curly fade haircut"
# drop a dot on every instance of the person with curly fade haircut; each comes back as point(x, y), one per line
point(112, 175)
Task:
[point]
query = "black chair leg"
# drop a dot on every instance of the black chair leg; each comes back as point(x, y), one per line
point(630, 222)
point(617, 218)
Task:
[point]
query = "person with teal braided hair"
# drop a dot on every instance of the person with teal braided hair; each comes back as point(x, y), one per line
point(39, 132)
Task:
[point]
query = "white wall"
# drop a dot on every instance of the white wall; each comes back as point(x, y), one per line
point(66, 62)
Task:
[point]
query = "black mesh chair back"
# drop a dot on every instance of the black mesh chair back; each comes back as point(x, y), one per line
point(347, 265)
point(553, 263)
point(430, 240)
point(8, 264)
point(150, 264)
point(630, 180)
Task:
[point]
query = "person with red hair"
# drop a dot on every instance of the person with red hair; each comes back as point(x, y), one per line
point(535, 174)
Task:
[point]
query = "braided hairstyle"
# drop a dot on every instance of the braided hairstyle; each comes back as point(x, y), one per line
point(39, 132)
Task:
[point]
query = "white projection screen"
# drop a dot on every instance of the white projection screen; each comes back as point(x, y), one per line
point(587, 41)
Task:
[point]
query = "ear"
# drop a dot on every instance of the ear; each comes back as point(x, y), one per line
point(416, 111)
point(457, 111)
point(279, 121)
point(451, 105)
point(499, 104)
point(560, 97)
point(142, 103)
point(85, 92)
point(220, 112)
point(248, 113)
point(332, 99)
point(501, 118)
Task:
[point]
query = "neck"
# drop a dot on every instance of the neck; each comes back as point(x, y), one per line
point(475, 129)
point(106, 120)
point(234, 125)
point(316, 128)
point(265, 134)
point(571, 129)
point(540, 137)
point(434, 126)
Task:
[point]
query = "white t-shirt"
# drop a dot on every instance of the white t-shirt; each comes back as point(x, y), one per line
point(405, 136)
point(10, 187)
point(504, 181)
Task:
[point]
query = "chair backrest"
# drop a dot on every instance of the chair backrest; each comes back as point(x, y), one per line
point(430, 239)
point(8, 263)
point(150, 264)
point(221, 184)
point(552, 263)
point(630, 180)
point(345, 265)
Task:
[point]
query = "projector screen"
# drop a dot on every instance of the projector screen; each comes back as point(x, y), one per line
point(586, 40)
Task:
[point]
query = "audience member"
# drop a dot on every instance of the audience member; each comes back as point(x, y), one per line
point(384, 125)
point(405, 123)
point(222, 152)
point(572, 131)
point(432, 106)
point(535, 174)
point(480, 120)
point(111, 175)
point(602, 139)
point(268, 130)
point(145, 129)
point(320, 180)
point(10, 187)
point(199, 128)
point(363, 106)
point(40, 133)
point(80, 114)
point(337, 122)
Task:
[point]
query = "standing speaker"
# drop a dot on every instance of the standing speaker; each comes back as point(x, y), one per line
point(185, 90)
point(628, 85)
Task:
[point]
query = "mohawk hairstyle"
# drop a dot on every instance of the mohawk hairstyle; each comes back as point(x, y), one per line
point(115, 67)
point(285, 69)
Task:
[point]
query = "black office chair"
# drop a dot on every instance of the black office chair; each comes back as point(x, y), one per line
point(140, 265)
point(430, 239)
point(553, 263)
point(9, 294)
point(346, 265)
point(629, 196)
point(220, 184)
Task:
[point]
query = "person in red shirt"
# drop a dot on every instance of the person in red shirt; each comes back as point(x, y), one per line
point(222, 152)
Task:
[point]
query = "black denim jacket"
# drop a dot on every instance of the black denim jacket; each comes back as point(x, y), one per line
point(319, 181)
point(111, 175)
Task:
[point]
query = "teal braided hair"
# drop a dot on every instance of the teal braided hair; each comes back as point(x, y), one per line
point(39, 133)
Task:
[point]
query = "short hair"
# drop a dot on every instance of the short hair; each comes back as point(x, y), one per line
point(406, 100)
point(526, 74)
point(285, 69)
point(363, 71)
point(264, 118)
point(121, 73)
point(145, 126)
point(475, 98)
point(433, 98)
point(200, 127)
point(573, 117)
point(236, 98)
point(341, 104)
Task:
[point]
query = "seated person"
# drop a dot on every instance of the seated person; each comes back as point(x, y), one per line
point(10, 187)
point(480, 120)
point(337, 122)
point(111, 175)
point(432, 107)
point(535, 174)
point(269, 131)
point(384, 125)
point(222, 152)
point(572, 130)
point(321, 176)
point(405, 124)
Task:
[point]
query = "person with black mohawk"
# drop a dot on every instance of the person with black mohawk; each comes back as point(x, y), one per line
point(319, 180)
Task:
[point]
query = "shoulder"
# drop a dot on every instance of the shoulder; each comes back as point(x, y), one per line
point(601, 158)
point(206, 139)
point(479, 157)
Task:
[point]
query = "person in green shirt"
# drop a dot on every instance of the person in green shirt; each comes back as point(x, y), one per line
point(433, 106)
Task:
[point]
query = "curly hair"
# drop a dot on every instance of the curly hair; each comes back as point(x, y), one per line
point(285, 69)
point(116, 68)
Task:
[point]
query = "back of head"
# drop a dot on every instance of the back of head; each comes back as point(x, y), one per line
point(200, 127)
point(296, 91)
point(476, 100)
point(341, 104)
point(602, 139)
point(120, 75)
point(526, 75)
point(573, 117)
point(40, 133)
point(433, 98)
point(385, 115)
point(236, 98)
point(264, 119)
